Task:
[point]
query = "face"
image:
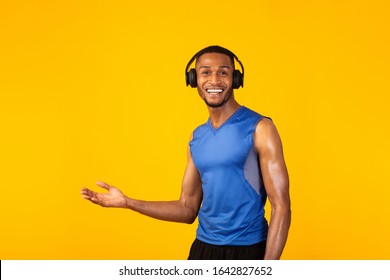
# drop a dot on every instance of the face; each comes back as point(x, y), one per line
point(215, 78)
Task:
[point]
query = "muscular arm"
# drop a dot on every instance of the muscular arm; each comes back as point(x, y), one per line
point(183, 210)
point(274, 172)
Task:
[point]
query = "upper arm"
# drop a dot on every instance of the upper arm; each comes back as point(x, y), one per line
point(273, 168)
point(191, 193)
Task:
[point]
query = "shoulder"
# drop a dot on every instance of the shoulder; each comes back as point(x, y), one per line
point(249, 113)
point(198, 132)
point(266, 135)
point(199, 129)
point(250, 117)
point(265, 125)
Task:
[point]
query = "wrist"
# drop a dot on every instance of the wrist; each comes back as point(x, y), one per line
point(129, 203)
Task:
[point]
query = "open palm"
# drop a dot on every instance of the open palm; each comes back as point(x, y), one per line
point(113, 198)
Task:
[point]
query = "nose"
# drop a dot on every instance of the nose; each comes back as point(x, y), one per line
point(214, 78)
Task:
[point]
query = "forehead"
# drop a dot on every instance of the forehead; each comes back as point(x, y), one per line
point(214, 59)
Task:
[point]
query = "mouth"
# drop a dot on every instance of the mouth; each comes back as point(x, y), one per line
point(214, 91)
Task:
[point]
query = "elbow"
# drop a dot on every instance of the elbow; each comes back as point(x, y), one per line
point(191, 218)
point(287, 218)
point(282, 217)
point(190, 222)
point(188, 212)
point(282, 208)
point(284, 212)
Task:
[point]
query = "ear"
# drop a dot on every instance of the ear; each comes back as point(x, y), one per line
point(191, 78)
point(238, 79)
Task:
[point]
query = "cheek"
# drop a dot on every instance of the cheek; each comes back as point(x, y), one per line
point(228, 81)
point(200, 81)
point(200, 92)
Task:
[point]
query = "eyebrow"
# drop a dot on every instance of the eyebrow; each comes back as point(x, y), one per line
point(205, 66)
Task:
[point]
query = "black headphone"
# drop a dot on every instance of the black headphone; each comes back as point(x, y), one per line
point(238, 77)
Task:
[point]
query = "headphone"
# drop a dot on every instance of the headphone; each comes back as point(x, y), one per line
point(238, 77)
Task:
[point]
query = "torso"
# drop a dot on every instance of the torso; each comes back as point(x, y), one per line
point(232, 211)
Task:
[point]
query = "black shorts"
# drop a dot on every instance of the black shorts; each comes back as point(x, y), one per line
point(204, 251)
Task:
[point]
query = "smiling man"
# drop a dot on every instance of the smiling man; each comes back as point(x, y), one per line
point(235, 161)
point(215, 81)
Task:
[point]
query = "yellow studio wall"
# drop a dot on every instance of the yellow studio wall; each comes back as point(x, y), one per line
point(95, 90)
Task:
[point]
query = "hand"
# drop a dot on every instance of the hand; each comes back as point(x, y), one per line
point(114, 197)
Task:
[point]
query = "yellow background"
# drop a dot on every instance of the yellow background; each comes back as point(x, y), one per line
point(95, 90)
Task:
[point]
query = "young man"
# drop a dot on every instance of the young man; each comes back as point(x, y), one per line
point(235, 161)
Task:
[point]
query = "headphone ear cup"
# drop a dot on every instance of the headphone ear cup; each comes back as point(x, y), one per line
point(191, 78)
point(238, 79)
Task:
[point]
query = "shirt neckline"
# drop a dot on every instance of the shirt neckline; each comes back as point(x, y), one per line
point(229, 120)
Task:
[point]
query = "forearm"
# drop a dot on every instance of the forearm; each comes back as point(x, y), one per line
point(277, 232)
point(173, 211)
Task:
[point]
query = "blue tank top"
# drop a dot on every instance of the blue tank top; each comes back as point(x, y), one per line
point(232, 210)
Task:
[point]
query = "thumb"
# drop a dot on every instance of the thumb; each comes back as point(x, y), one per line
point(103, 185)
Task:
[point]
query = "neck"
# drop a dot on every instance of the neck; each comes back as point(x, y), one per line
point(219, 115)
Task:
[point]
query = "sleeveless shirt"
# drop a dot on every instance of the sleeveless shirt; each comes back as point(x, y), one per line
point(232, 210)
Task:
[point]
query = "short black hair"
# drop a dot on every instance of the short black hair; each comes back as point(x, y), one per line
point(216, 49)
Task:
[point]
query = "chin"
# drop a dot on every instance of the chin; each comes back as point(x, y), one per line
point(215, 104)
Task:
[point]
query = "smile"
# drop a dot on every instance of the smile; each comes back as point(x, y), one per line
point(214, 91)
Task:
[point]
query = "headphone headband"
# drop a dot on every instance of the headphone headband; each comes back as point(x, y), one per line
point(190, 74)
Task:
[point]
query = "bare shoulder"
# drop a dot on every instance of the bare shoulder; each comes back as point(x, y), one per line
point(265, 125)
point(265, 129)
point(266, 135)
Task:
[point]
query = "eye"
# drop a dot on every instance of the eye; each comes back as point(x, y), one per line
point(223, 73)
point(205, 72)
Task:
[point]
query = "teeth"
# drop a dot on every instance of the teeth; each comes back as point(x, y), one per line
point(214, 90)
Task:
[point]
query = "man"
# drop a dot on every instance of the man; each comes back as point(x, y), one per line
point(235, 161)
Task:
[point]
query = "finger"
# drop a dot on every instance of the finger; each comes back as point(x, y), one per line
point(87, 192)
point(103, 185)
point(97, 201)
point(90, 195)
point(92, 199)
point(84, 191)
point(86, 197)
